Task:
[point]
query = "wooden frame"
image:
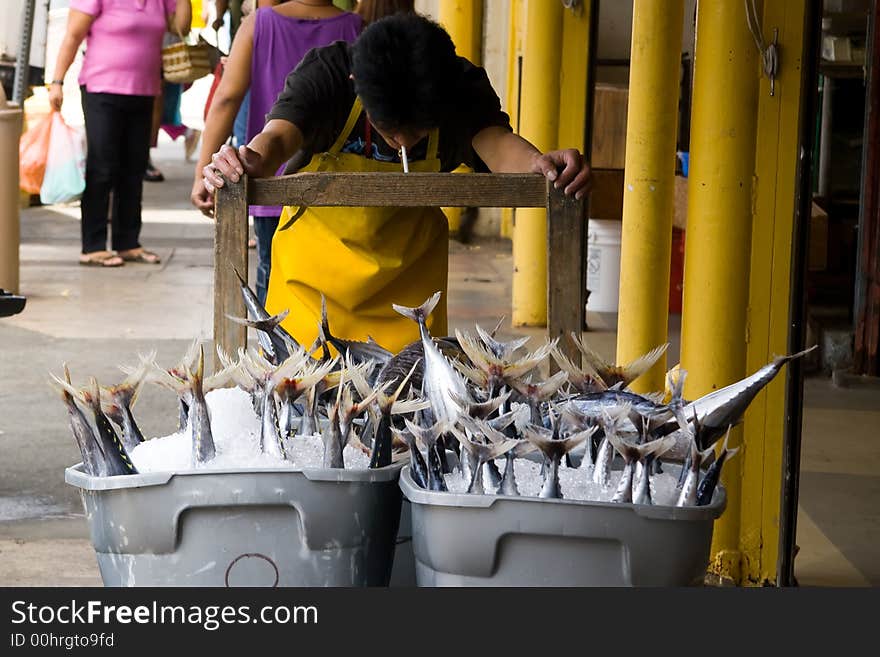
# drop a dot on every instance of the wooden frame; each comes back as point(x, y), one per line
point(566, 234)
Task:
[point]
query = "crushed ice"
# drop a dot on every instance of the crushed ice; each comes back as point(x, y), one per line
point(236, 431)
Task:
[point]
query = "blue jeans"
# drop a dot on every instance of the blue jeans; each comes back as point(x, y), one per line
point(264, 228)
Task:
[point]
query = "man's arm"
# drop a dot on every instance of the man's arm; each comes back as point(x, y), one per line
point(505, 152)
point(261, 158)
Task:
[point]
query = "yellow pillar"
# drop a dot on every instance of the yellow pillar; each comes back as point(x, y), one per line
point(514, 52)
point(463, 19)
point(770, 290)
point(539, 124)
point(646, 241)
point(717, 256)
point(573, 74)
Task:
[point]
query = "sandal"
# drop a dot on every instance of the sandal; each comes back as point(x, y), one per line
point(140, 255)
point(100, 259)
point(152, 174)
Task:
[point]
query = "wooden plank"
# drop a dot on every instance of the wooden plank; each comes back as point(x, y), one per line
point(401, 190)
point(566, 238)
point(230, 253)
point(485, 190)
point(609, 125)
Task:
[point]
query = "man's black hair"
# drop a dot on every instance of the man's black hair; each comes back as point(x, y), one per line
point(405, 71)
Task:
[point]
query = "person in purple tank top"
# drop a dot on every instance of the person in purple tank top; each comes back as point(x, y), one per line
point(268, 45)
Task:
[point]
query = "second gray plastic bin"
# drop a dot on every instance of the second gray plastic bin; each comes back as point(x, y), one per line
point(495, 540)
point(272, 527)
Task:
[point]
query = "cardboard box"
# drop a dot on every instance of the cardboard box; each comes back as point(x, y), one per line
point(609, 126)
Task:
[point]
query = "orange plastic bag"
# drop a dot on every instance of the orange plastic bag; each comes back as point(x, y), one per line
point(33, 153)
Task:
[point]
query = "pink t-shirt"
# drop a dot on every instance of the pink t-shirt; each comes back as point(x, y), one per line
point(124, 45)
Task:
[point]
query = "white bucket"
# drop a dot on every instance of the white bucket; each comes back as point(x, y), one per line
point(603, 265)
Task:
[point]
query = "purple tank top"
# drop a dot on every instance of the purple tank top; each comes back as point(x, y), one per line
point(280, 42)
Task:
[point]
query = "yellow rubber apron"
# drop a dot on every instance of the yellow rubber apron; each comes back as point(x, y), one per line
point(361, 259)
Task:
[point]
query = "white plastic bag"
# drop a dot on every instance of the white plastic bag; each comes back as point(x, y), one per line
point(65, 177)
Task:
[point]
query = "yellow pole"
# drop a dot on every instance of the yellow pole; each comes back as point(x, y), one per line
point(716, 286)
point(646, 241)
point(770, 290)
point(573, 73)
point(514, 50)
point(463, 19)
point(540, 118)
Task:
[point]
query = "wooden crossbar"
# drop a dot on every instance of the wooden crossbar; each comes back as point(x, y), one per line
point(566, 234)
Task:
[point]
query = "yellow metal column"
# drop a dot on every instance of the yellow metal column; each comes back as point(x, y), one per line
point(573, 75)
point(717, 256)
point(539, 124)
point(770, 290)
point(514, 51)
point(463, 19)
point(646, 241)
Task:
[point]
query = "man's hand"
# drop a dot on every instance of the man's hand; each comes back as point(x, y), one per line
point(230, 164)
point(574, 177)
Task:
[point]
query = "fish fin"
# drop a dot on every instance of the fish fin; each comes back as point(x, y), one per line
point(573, 441)
point(419, 315)
point(477, 377)
point(65, 388)
point(633, 370)
point(241, 279)
point(478, 355)
point(576, 376)
point(529, 362)
point(597, 364)
point(325, 324)
point(265, 325)
point(495, 330)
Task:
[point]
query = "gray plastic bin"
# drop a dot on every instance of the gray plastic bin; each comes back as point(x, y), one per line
point(255, 527)
point(497, 540)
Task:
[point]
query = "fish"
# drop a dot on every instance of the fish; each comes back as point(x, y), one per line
point(385, 406)
point(267, 378)
point(583, 380)
point(688, 494)
point(710, 480)
point(203, 449)
point(483, 453)
point(491, 371)
point(501, 350)
point(553, 450)
point(440, 380)
point(93, 459)
point(723, 408)
point(413, 354)
point(534, 394)
point(520, 448)
point(275, 341)
point(116, 458)
point(429, 437)
point(417, 468)
point(123, 397)
point(633, 454)
point(359, 352)
point(612, 374)
point(291, 389)
point(332, 435)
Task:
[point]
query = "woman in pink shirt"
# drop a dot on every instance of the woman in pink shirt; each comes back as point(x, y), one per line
point(121, 73)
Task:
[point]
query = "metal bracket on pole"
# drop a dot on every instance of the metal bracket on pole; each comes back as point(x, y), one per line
point(23, 57)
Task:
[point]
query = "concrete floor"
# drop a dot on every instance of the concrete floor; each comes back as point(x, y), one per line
point(97, 319)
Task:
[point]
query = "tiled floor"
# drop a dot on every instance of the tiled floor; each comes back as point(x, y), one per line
point(97, 319)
